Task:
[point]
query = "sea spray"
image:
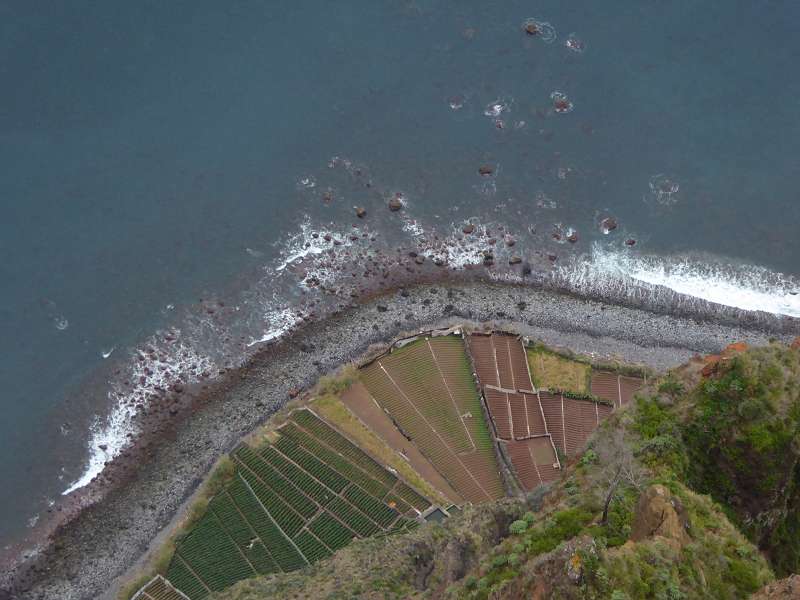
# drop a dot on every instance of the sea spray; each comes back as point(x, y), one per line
point(683, 284)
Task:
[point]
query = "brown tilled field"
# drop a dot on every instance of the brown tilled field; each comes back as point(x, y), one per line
point(426, 387)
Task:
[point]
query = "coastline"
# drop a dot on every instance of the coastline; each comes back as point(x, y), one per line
point(111, 523)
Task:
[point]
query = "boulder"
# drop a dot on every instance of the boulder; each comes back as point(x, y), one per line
point(660, 513)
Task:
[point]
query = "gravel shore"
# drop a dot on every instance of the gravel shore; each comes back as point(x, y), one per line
point(90, 555)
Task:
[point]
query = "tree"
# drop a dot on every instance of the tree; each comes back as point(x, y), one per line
point(616, 466)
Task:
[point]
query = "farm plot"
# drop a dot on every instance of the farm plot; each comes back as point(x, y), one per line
point(534, 461)
point(398, 452)
point(557, 373)
point(158, 588)
point(614, 388)
point(427, 389)
point(571, 421)
point(290, 504)
point(516, 415)
point(500, 361)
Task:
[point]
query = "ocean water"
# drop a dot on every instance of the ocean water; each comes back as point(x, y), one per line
point(170, 172)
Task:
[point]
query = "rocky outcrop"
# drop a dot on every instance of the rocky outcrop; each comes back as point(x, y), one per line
point(660, 513)
point(785, 589)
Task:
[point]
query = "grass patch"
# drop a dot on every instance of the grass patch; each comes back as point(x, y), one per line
point(554, 372)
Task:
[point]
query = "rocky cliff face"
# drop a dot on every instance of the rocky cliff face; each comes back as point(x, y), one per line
point(742, 436)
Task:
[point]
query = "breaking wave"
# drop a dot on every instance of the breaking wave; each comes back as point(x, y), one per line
point(609, 272)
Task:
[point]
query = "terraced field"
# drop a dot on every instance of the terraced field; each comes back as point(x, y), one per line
point(532, 421)
point(553, 372)
point(158, 588)
point(534, 461)
point(615, 388)
point(291, 503)
point(500, 361)
point(427, 388)
point(312, 488)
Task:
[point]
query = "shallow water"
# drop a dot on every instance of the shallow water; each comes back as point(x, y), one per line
point(158, 155)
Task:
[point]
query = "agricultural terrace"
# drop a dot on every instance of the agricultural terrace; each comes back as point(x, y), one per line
point(377, 457)
point(615, 388)
point(553, 372)
point(570, 421)
point(427, 388)
point(159, 588)
point(517, 417)
point(500, 361)
point(568, 392)
point(291, 503)
point(542, 404)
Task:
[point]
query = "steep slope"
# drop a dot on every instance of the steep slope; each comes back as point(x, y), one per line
point(742, 437)
point(674, 498)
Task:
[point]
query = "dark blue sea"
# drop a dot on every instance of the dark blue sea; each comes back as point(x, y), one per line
point(171, 170)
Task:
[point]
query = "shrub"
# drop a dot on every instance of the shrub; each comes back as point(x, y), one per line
point(518, 527)
point(589, 458)
point(499, 561)
point(563, 526)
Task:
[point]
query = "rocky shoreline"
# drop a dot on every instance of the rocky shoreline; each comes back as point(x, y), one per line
point(98, 541)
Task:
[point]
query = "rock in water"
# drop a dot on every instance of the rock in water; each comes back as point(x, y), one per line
point(608, 225)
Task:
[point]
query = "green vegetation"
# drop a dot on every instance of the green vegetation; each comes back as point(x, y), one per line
point(691, 491)
point(282, 506)
point(742, 437)
point(709, 449)
point(158, 561)
point(554, 372)
point(426, 387)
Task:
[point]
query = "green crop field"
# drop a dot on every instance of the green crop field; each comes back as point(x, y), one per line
point(291, 503)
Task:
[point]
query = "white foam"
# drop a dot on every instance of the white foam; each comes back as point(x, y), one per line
point(279, 322)
point(174, 361)
point(303, 244)
point(741, 286)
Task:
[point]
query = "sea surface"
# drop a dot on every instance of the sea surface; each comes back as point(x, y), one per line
point(171, 170)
